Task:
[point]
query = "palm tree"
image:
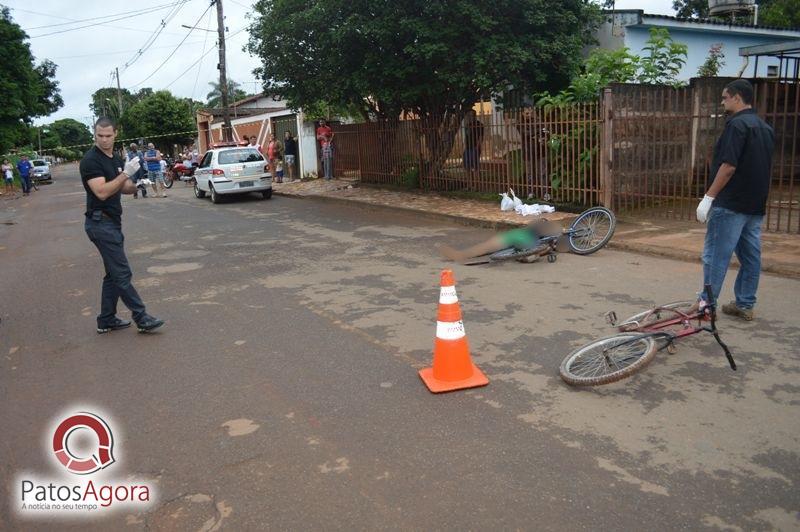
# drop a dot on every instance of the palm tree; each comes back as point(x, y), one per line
point(214, 97)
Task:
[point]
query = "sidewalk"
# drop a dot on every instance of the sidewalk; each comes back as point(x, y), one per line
point(679, 240)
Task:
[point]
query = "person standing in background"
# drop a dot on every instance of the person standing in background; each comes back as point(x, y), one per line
point(290, 153)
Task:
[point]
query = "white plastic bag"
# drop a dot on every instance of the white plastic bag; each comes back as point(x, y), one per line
point(533, 210)
point(506, 203)
point(515, 199)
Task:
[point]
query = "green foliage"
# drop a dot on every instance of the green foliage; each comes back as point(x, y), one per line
point(600, 68)
point(713, 62)
point(779, 13)
point(661, 65)
point(67, 132)
point(664, 59)
point(410, 177)
point(26, 90)
point(690, 8)
point(105, 101)
point(159, 117)
point(424, 57)
point(214, 96)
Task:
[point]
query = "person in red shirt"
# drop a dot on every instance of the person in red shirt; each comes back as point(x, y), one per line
point(325, 138)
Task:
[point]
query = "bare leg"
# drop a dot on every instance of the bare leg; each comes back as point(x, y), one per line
point(489, 246)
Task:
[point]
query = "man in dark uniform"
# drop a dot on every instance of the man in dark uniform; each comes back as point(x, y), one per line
point(735, 203)
point(106, 177)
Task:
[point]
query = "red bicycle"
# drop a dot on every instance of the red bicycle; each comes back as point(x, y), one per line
point(613, 358)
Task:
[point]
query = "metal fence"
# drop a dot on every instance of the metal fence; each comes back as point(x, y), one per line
point(643, 149)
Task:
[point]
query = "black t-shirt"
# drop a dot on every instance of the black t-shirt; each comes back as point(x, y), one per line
point(290, 147)
point(95, 163)
point(474, 135)
point(746, 143)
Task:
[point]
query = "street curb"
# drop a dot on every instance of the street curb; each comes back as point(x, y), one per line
point(461, 220)
point(618, 245)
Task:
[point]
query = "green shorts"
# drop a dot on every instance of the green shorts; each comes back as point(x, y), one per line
point(522, 238)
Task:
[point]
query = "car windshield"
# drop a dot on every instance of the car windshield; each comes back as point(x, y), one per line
point(39, 163)
point(239, 156)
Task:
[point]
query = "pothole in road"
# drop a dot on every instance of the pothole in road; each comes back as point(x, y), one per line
point(240, 427)
point(191, 512)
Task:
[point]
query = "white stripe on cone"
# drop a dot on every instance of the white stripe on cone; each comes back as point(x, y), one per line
point(447, 295)
point(450, 330)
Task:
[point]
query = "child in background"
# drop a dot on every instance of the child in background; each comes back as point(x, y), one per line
point(8, 177)
point(279, 170)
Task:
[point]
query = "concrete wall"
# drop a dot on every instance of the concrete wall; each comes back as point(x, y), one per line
point(699, 42)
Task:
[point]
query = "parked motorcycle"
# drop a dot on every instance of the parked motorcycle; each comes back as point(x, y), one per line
point(177, 171)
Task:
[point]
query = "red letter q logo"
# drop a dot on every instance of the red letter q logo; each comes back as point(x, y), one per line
point(100, 458)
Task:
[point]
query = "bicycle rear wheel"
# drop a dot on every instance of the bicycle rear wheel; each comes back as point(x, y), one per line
point(34, 184)
point(608, 360)
point(662, 312)
point(591, 230)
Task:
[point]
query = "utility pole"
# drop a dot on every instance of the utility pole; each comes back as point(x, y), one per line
point(119, 95)
point(227, 133)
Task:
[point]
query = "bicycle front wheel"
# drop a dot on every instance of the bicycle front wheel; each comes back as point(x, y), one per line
point(608, 360)
point(662, 312)
point(591, 230)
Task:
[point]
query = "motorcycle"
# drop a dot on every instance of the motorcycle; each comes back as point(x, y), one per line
point(177, 171)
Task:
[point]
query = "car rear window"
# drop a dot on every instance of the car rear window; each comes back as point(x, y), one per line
point(239, 156)
point(39, 163)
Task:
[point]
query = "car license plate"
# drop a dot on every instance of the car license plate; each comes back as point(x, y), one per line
point(245, 184)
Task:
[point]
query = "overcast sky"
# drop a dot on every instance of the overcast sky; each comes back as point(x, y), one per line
point(87, 52)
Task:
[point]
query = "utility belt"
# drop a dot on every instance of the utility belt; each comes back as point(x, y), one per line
point(97, 215)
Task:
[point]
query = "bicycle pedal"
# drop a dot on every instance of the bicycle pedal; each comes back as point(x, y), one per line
point(611, 317)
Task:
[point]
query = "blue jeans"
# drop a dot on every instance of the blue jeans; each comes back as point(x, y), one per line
point(26, 183)
point(728, 232)
point(107, 236)
point(327, 167)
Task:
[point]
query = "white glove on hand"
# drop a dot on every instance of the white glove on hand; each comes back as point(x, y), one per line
point(703, 208)
point(131, 167)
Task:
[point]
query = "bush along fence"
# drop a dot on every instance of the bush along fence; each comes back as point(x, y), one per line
point(642, 149)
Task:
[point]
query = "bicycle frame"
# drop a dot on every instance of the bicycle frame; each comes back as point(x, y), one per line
point(661, 328)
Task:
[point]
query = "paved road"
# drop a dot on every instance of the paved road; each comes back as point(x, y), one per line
point(283, 392)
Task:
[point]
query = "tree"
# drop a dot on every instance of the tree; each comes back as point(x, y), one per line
point(780, 13)
point(214, 96)
point(105, 101)
point(69, 132)
point(160, 118)
point(713, 62)
point(690, 8)
point(430, 59)
point(27, 90)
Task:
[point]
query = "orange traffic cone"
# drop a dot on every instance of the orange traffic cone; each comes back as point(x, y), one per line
point(452, 367)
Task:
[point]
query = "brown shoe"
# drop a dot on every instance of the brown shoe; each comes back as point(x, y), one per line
point(733, 310)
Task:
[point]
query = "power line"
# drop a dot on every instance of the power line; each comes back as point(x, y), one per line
point(152, 39)
point(75, 21)
point(86, 26)
point(202, 54)
point(176, 48)
point(117, 52)
point(201, 58)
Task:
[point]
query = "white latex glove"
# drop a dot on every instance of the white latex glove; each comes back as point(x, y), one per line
point(703, 208)
point(131, 167)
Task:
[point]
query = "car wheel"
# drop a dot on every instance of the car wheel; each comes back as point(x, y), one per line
point(199, 193)
point(215, 198)
point(266, 194)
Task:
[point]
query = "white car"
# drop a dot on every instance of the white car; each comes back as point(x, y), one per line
point(231, 169)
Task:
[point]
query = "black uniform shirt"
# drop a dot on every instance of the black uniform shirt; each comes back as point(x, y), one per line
point(95, 163)
point(746, 143)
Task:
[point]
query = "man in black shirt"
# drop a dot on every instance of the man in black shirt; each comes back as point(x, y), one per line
point(105, 178)
point(735, 203)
